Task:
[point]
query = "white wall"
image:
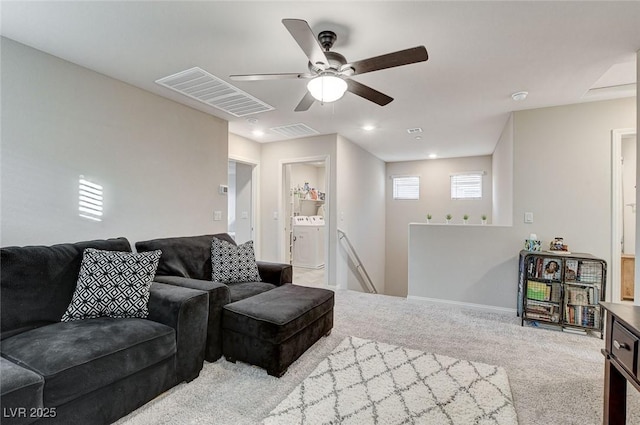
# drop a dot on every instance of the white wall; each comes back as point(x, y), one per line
point(274, 155)
point(470, 264)
point(160, 162)
point(502, 164)
point(435, 198)
point(360, 198)
point(562, 173)
point(243, 202)
point(243, 149)
point(636, 299)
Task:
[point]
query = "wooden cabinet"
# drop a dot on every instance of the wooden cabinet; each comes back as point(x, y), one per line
point(622, 358)
point(628, 276)
point(562, 290)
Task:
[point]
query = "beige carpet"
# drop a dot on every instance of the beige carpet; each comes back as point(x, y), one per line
point(555, 377)
point(368, 382)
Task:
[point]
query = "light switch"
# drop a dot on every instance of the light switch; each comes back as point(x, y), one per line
point(275, 215)
point(244, 214)
point(217, 215)
point(528, 217)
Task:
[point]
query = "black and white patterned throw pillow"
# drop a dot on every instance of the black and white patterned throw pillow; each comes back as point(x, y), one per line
point(114, 284)
point(231, 263)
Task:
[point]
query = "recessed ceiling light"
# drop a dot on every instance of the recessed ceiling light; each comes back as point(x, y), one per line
point(521, 95)
point(258, 133)
point(368, 127)
point(418, 137)
point(433, 156)
point(252, 121)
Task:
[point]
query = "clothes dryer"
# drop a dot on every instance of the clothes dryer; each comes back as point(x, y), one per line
point(308, 242)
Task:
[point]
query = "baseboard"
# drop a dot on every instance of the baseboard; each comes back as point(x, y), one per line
point(492, 308)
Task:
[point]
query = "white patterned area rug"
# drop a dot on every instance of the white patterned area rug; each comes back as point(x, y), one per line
point(368, 382)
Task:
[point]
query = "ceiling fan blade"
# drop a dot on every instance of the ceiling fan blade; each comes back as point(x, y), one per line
point(390, 60)
point(307, 41)
point(368, 93)
point(258, 77)
point(305, 103)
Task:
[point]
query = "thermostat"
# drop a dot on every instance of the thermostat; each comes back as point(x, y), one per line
point(223, 189)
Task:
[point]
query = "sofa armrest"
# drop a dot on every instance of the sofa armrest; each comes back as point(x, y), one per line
point(275, 273)
point(219, 296)
point(186, 311)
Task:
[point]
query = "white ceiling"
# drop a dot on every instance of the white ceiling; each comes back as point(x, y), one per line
point(479, 53)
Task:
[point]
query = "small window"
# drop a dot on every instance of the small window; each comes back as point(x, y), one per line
point(406, 187)
point(89, 200)
point(466, 185)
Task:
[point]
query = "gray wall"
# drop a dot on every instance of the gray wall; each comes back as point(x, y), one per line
point(562, 164)
point(160, 162)
point(273, 156)
point(361, 196)
point(503, 176)
point(435, 198)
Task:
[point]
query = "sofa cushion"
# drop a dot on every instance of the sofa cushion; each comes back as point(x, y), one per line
point(276, 315)
point(233, 263)
point(188, 256)
point(81, 356)
point(20, 388)
point(38, 281)
point(113, 284)
point(241, 290)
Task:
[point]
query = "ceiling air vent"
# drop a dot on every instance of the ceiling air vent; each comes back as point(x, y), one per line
point(198, 84)
point(414, 130)
point(294, 130)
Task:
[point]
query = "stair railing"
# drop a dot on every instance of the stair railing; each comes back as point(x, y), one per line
point(353, 255)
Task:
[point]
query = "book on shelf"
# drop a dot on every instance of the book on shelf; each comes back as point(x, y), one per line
point(545, 268)
point(590, 272)
point(570, 270)
point(538, 291)
point(578, 296)
point(587, 316)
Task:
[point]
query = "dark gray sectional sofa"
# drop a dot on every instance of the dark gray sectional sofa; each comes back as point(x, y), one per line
point(90, 371)
point(186, 262)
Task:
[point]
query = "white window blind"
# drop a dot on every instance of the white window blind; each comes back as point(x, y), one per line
point(407, 187)
point(89, 200)
point(466, 185)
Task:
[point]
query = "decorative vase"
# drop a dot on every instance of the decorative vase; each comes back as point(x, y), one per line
point(428, 221)
point(484, 221)
point(448, 221)
point(465, 221)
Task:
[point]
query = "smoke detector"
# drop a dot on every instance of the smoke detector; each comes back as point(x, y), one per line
point(521, 95)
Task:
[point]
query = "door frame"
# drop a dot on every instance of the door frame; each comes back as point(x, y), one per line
point(283, 195)
point(615, 268)
point(255, 199)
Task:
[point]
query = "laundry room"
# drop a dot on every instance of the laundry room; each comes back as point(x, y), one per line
point(307, 195)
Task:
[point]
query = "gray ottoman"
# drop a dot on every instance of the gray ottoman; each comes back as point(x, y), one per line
point(274, 328)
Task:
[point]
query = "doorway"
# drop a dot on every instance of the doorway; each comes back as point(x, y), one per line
point(304, 192)
point(241, 202)
point(623, 214)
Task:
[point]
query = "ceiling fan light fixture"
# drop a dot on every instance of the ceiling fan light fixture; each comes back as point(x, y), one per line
point(327, 88)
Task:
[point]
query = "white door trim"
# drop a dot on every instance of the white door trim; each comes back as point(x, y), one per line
point(615, 268)
point(282, 199)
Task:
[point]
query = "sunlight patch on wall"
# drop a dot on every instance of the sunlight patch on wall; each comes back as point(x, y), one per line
point(89, 200)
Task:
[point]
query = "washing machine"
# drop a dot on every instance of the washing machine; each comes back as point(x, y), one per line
point(308, 242)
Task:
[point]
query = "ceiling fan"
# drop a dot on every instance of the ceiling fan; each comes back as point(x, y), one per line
point(329, 72)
